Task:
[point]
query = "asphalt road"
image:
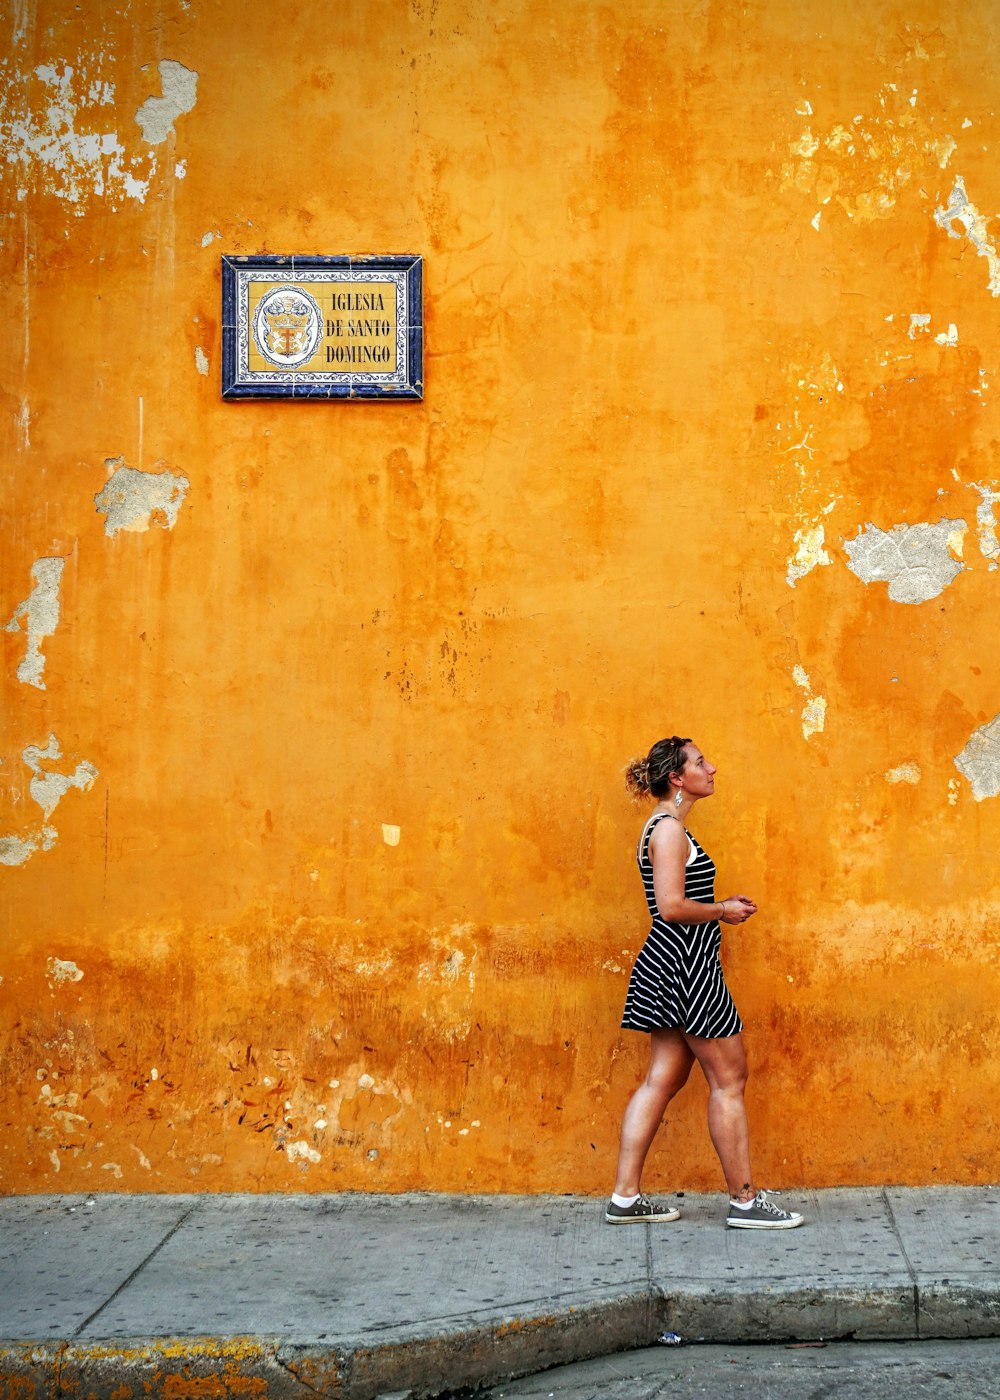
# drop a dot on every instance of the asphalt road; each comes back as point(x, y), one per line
point(845, 1370)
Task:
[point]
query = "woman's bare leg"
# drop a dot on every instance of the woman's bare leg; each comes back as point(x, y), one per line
point(724, 1064)
point(670, 1061)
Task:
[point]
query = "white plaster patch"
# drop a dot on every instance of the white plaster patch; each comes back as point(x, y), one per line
point(136, 500)
point(209, 237)
point(40, 613)
point(948, 337)
point(60, 970)
point(979, 761)
point(809, 553)
point(48, 789)
point(157, 115)
point(905, 773)
point(814, 710)
point(200, 360)
point(390, 834)
point(301, 1151)
point(960, 210)
point(919, 321)
point(915, 560)
point(15, 850)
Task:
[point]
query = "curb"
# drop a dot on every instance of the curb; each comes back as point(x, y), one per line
point(413, 1363)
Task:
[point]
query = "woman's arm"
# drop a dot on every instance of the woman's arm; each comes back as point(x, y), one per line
point(668, 851)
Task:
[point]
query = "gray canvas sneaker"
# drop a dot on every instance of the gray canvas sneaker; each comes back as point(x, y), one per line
point(641, 1211)
point(762, 1215)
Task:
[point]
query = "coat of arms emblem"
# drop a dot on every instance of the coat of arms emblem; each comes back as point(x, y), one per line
point(287, 326)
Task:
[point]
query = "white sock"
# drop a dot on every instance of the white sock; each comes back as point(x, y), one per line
point(624, 1201)
point(741, 1205)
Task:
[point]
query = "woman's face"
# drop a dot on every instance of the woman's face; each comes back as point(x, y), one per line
point(699, 774)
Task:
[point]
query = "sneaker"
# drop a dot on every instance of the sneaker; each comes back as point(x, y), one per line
point(762, 1215)
point(642, 1210)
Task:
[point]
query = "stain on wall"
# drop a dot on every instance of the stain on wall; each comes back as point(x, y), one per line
point(315, 858)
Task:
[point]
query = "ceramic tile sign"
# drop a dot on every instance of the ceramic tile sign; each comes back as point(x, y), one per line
point(322, 327)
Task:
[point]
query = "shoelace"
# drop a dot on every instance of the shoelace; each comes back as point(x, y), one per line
point(762, 1203)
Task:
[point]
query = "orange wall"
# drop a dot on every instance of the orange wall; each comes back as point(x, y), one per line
point(673, 253)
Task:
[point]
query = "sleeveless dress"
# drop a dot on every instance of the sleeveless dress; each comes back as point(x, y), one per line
point(677, 980)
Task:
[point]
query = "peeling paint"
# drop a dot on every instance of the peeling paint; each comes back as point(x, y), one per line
point(863, 167)
point(919, 321)
point(809, 554)
point(915, 560)
point(979, 761)
point(157, 115)
point(390, 834)
point(16, 850)
point(948, 337)
point(200, 360)
point(59, 970)
point(905, 773)
point(43, 146)
point(814, 710)
point(48, 789)
point(989, 545)
point(40, 612)
point(136, 500)
point(961, 210)
point(296, 1151)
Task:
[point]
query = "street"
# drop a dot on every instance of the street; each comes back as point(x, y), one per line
point(968, 1370)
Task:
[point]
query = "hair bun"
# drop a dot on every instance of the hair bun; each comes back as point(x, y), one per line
point(637, 777)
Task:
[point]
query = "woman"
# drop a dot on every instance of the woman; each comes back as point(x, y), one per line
point(678, 994)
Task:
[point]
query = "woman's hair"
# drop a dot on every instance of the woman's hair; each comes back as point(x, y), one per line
point(650, 776)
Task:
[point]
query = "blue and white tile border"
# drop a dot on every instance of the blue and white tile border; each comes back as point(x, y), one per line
point(240, 382)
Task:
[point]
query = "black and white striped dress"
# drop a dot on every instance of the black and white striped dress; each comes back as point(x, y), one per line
point(677, 980)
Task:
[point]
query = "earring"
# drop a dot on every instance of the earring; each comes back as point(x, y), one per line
point(679, 798)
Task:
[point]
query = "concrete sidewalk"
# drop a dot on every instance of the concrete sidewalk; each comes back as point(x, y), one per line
point(359, 1296)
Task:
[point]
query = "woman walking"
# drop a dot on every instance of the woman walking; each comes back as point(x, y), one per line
point(677, 994)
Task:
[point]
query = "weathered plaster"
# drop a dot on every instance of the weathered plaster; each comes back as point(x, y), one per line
point(962, 211)
point(916, 561)
point(157, 115)
point(862, 167)
point(59, 136)
point(16, 850)
point(809, 553)
point(905, 773)
point(40, 614)
point(62, 970)
point(136, 500)
point(989, 545)
point(47, 788)
point(814, 710)
point(979, 761)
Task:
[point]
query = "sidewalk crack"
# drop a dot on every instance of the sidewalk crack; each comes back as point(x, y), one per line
point(906, 1259)
point(137, 1270)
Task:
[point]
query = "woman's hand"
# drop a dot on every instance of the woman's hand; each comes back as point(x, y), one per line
point(737, 909)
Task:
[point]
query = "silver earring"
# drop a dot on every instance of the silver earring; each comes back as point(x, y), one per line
point(679, 798)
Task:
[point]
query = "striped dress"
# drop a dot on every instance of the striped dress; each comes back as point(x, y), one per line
point(677, 980)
